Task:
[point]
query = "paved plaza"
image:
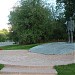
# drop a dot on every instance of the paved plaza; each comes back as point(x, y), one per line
point(24, 62)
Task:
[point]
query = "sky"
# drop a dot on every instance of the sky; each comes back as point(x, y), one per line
point(5, 7)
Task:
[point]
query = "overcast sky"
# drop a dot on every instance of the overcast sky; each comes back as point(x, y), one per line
point(5, 7)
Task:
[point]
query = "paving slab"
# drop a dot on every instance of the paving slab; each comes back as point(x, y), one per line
point(27, 58)
point(28, 62)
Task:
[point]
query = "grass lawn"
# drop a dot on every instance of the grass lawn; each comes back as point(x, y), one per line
point(18, 47)
point(66, 69)
point(1, 66)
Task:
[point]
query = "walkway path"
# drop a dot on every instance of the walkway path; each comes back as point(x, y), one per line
point(6, 43)
point(25, 63)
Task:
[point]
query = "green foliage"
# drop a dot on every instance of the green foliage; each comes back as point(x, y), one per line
point(1, 66)
point(59, 30)
point(3, 35)
point(69, 6)
point(18, 47)
point(31, 22)
point(66, 69)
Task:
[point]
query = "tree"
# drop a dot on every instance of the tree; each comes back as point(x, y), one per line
point(69, 6)
point(31, 22)
point(3, 35)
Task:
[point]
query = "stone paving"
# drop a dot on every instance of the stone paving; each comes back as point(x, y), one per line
point(54, 48)
point(23, 62)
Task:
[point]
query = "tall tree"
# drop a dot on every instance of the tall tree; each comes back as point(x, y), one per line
point(3, 35)
point(31, 21)
point(69, 6)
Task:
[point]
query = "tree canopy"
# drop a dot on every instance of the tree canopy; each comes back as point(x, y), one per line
point(31, 21)
point(69, 6)
point(3, 35)
point(34, 21)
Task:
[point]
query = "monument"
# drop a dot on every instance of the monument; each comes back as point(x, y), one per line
point(70, 29)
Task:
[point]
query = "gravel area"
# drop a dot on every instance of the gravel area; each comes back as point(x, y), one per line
point(54, 48)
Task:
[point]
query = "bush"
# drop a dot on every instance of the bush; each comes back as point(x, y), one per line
point(2, 37)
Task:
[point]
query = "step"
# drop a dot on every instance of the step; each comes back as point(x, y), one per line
point(28, 63)
point(21, 70)
point(11, 70)
point(29, 66)
point(28, 71)
point(25, 74)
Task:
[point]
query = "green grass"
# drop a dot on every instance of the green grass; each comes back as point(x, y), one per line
point(66, 69)
point(1, 66)
point(17, 47)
